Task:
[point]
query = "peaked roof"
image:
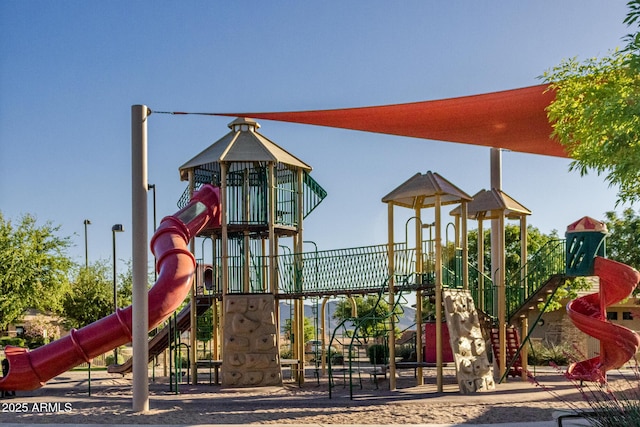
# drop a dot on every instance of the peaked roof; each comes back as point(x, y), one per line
point(491, 202)
point(242, 144)
point(586, 223)
point(512, 119)
point(420, 191)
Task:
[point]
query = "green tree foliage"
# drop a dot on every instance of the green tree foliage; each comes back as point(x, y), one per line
point(568, 291)
point(125, 286)
point(91, 296)
point(34, 268)
point(535, 240)
point(596, 112)
point(205, 325)
point(623, 241)
point(308, 329)
point(372, 316)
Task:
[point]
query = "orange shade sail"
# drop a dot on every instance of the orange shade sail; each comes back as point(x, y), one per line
point(512, 119)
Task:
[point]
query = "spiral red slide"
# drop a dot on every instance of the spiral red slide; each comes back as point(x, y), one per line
point(29, 370)
point(589, 314)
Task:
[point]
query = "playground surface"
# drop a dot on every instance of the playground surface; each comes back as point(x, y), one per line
point(65, 400)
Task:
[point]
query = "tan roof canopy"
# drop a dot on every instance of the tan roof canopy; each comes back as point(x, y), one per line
point(420, 191)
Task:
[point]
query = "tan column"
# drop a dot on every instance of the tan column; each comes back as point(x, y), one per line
point(392, 336)
point(502, 300)
point(193, 318)
point(438, 267)
point(419, 271)
point(523, 282)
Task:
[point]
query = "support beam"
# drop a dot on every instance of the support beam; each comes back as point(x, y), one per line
point(392, 336)
point(438, 243)
point(140, 304)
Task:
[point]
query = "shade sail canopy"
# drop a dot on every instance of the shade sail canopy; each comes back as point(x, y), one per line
point(513, 119)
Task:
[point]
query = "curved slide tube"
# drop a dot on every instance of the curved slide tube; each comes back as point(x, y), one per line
point(29, 370)
point(589, 314)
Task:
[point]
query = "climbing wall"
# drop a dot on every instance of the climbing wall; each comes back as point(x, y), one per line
point(474, 372)
point(250, 356)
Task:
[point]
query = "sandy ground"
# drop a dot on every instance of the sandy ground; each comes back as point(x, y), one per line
point(65, 400)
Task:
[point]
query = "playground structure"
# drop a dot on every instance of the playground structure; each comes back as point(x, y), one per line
point(263, 200)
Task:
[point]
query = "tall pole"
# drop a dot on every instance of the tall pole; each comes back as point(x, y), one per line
point(86, 246)
point(140, 302)
point(497, 260)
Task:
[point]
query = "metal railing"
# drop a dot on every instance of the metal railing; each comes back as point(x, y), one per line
point(547, 261)
point(352, 270)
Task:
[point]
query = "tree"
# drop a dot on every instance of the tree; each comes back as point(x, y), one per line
point(535, 240)
point(91, 296)
point(371, 317)
point(34, 268)
point(125, 286)
point(41, 330)
point(596, 112)
point(308, 328)
point(623, 241)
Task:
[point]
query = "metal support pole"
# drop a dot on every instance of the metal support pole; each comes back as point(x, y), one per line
point(140, 305)
point(86, 247)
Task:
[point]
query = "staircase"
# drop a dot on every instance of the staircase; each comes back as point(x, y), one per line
point(514, 360)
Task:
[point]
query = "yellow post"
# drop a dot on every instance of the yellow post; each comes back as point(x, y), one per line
point(392, 336)
point(481, 262)
point(298, 268)
point(438, 268)
point(419, 271)
point(323, 325)
point(523, 282)
point(465, 247)
point(193, 318)
point(502, 300)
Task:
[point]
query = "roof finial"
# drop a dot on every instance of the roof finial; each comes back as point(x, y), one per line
point(243, 124)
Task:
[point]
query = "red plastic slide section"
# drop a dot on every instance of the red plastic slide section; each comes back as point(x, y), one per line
point(589, 314)
point(29, 370)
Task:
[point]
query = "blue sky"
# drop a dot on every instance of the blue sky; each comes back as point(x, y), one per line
point(70, 71)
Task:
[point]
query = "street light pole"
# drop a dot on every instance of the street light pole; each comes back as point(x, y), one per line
point(86, 248)
point(117, 228)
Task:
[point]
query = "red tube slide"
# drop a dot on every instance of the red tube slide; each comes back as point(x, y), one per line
point(29, 370)
point(589, 314)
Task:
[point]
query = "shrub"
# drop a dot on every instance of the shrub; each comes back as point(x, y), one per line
point(406, 352)
point(544, 354)
point(108, 360)
point(378, 354)
point(286, 354)
point(14, 341)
